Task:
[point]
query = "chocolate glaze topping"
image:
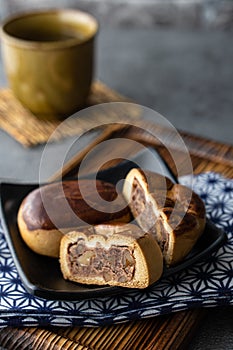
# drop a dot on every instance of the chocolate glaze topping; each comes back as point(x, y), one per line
point(36, 217)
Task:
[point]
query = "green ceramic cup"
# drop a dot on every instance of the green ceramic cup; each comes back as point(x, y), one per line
point(49, 60)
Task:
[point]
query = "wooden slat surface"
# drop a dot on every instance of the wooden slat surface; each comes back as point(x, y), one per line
point(165, 332)
point(219, 160)
point(170, 332)
point(198, 146)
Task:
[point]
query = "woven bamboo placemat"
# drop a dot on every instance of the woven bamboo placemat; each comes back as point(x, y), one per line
point(22, 125)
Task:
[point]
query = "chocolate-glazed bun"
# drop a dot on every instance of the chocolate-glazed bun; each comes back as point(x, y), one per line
point(54, 209)
point(173, 213)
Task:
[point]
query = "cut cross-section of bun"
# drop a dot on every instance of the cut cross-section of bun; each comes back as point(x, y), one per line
point(172, 213)
point(116, 255)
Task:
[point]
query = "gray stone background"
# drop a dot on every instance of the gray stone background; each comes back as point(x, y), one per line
point(141, 13)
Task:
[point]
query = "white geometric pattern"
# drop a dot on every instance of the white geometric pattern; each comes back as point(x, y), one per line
point(207, 283)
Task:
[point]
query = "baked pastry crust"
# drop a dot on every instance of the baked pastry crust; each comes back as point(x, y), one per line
point(42, 230)
point(173, 213)
point(116, 255)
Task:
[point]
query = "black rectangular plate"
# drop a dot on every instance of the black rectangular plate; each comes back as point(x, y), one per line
point(41, 275)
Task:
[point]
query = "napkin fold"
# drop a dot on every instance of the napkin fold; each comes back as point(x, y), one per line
point(205, 284)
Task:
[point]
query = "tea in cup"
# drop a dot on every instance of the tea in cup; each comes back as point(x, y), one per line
point(49, 60)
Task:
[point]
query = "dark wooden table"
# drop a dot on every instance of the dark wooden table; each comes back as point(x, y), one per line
point(166, 332)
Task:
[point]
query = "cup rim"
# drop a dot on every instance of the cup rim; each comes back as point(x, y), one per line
point(47, 45)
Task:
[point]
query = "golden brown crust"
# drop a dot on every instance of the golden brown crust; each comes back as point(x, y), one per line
point(52, 210)
point(40, 241)
point(173, 213)
point(145, 252)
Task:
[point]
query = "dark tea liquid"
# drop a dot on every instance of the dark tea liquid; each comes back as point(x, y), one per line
point(47, 36)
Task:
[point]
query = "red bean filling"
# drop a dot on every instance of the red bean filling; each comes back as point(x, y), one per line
point(148, 221)
point(115, 263)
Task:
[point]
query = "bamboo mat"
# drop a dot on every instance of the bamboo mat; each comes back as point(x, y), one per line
point(24, 127)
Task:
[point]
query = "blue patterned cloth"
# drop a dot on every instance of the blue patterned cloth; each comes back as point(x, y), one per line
point(205, 284)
